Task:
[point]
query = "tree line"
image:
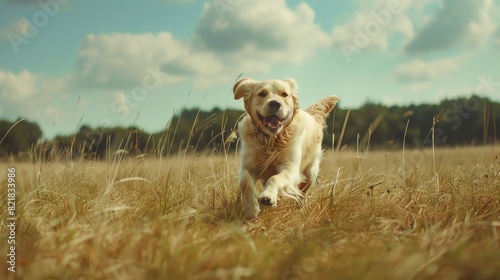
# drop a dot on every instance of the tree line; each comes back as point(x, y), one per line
point(460, 121)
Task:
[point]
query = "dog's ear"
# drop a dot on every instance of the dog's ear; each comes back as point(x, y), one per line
point(294, 90)
point(243, 87)
point(293, 85)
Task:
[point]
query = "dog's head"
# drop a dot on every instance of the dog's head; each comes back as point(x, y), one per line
point(271, 103)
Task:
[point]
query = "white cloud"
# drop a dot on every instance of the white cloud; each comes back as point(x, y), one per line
point(418, 87)
point(120, 103)
point(17, 87)
point(123, 61)
point(53, 112)
point(421, 72)
point(373, 25)
point(252, 37)
point(56, 86)
point(120, 60)
point(260, 33)
point(18, 26)
point(32, 95)
point(457, 23)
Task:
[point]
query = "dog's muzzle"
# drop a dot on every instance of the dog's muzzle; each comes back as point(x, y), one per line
point(272, 122)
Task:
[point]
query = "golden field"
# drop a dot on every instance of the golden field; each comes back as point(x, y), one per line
point(378, 215)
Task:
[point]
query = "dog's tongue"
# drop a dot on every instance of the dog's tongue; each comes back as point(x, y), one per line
point(272, 121)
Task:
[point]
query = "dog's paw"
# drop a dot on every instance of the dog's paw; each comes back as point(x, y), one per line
point(267, 201)
point(251, 209)
point(251, 213)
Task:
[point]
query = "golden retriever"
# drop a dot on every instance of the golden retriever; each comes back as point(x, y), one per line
point(280, 143)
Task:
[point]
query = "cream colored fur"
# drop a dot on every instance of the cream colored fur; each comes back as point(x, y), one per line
point(280, 143)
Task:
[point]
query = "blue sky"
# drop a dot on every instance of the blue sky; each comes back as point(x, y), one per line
point(64, 63)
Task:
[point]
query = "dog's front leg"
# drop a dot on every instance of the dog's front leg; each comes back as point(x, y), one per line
point(285, 181)
point(249, 196)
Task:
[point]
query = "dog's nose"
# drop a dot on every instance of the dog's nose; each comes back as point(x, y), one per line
point(274, 106)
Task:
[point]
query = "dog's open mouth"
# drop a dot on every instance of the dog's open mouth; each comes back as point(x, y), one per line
point(272, 122)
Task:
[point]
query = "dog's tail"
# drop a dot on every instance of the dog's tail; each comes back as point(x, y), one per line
point(321, 110)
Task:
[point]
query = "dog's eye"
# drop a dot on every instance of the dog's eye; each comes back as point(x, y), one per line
point(284, 94)
point(262, 94)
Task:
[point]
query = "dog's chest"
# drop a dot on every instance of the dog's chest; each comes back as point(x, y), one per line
point(271, 156)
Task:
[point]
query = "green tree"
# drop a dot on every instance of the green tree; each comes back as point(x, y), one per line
point(20, 137)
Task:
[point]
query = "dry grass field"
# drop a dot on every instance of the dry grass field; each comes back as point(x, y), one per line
point(371, 216)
